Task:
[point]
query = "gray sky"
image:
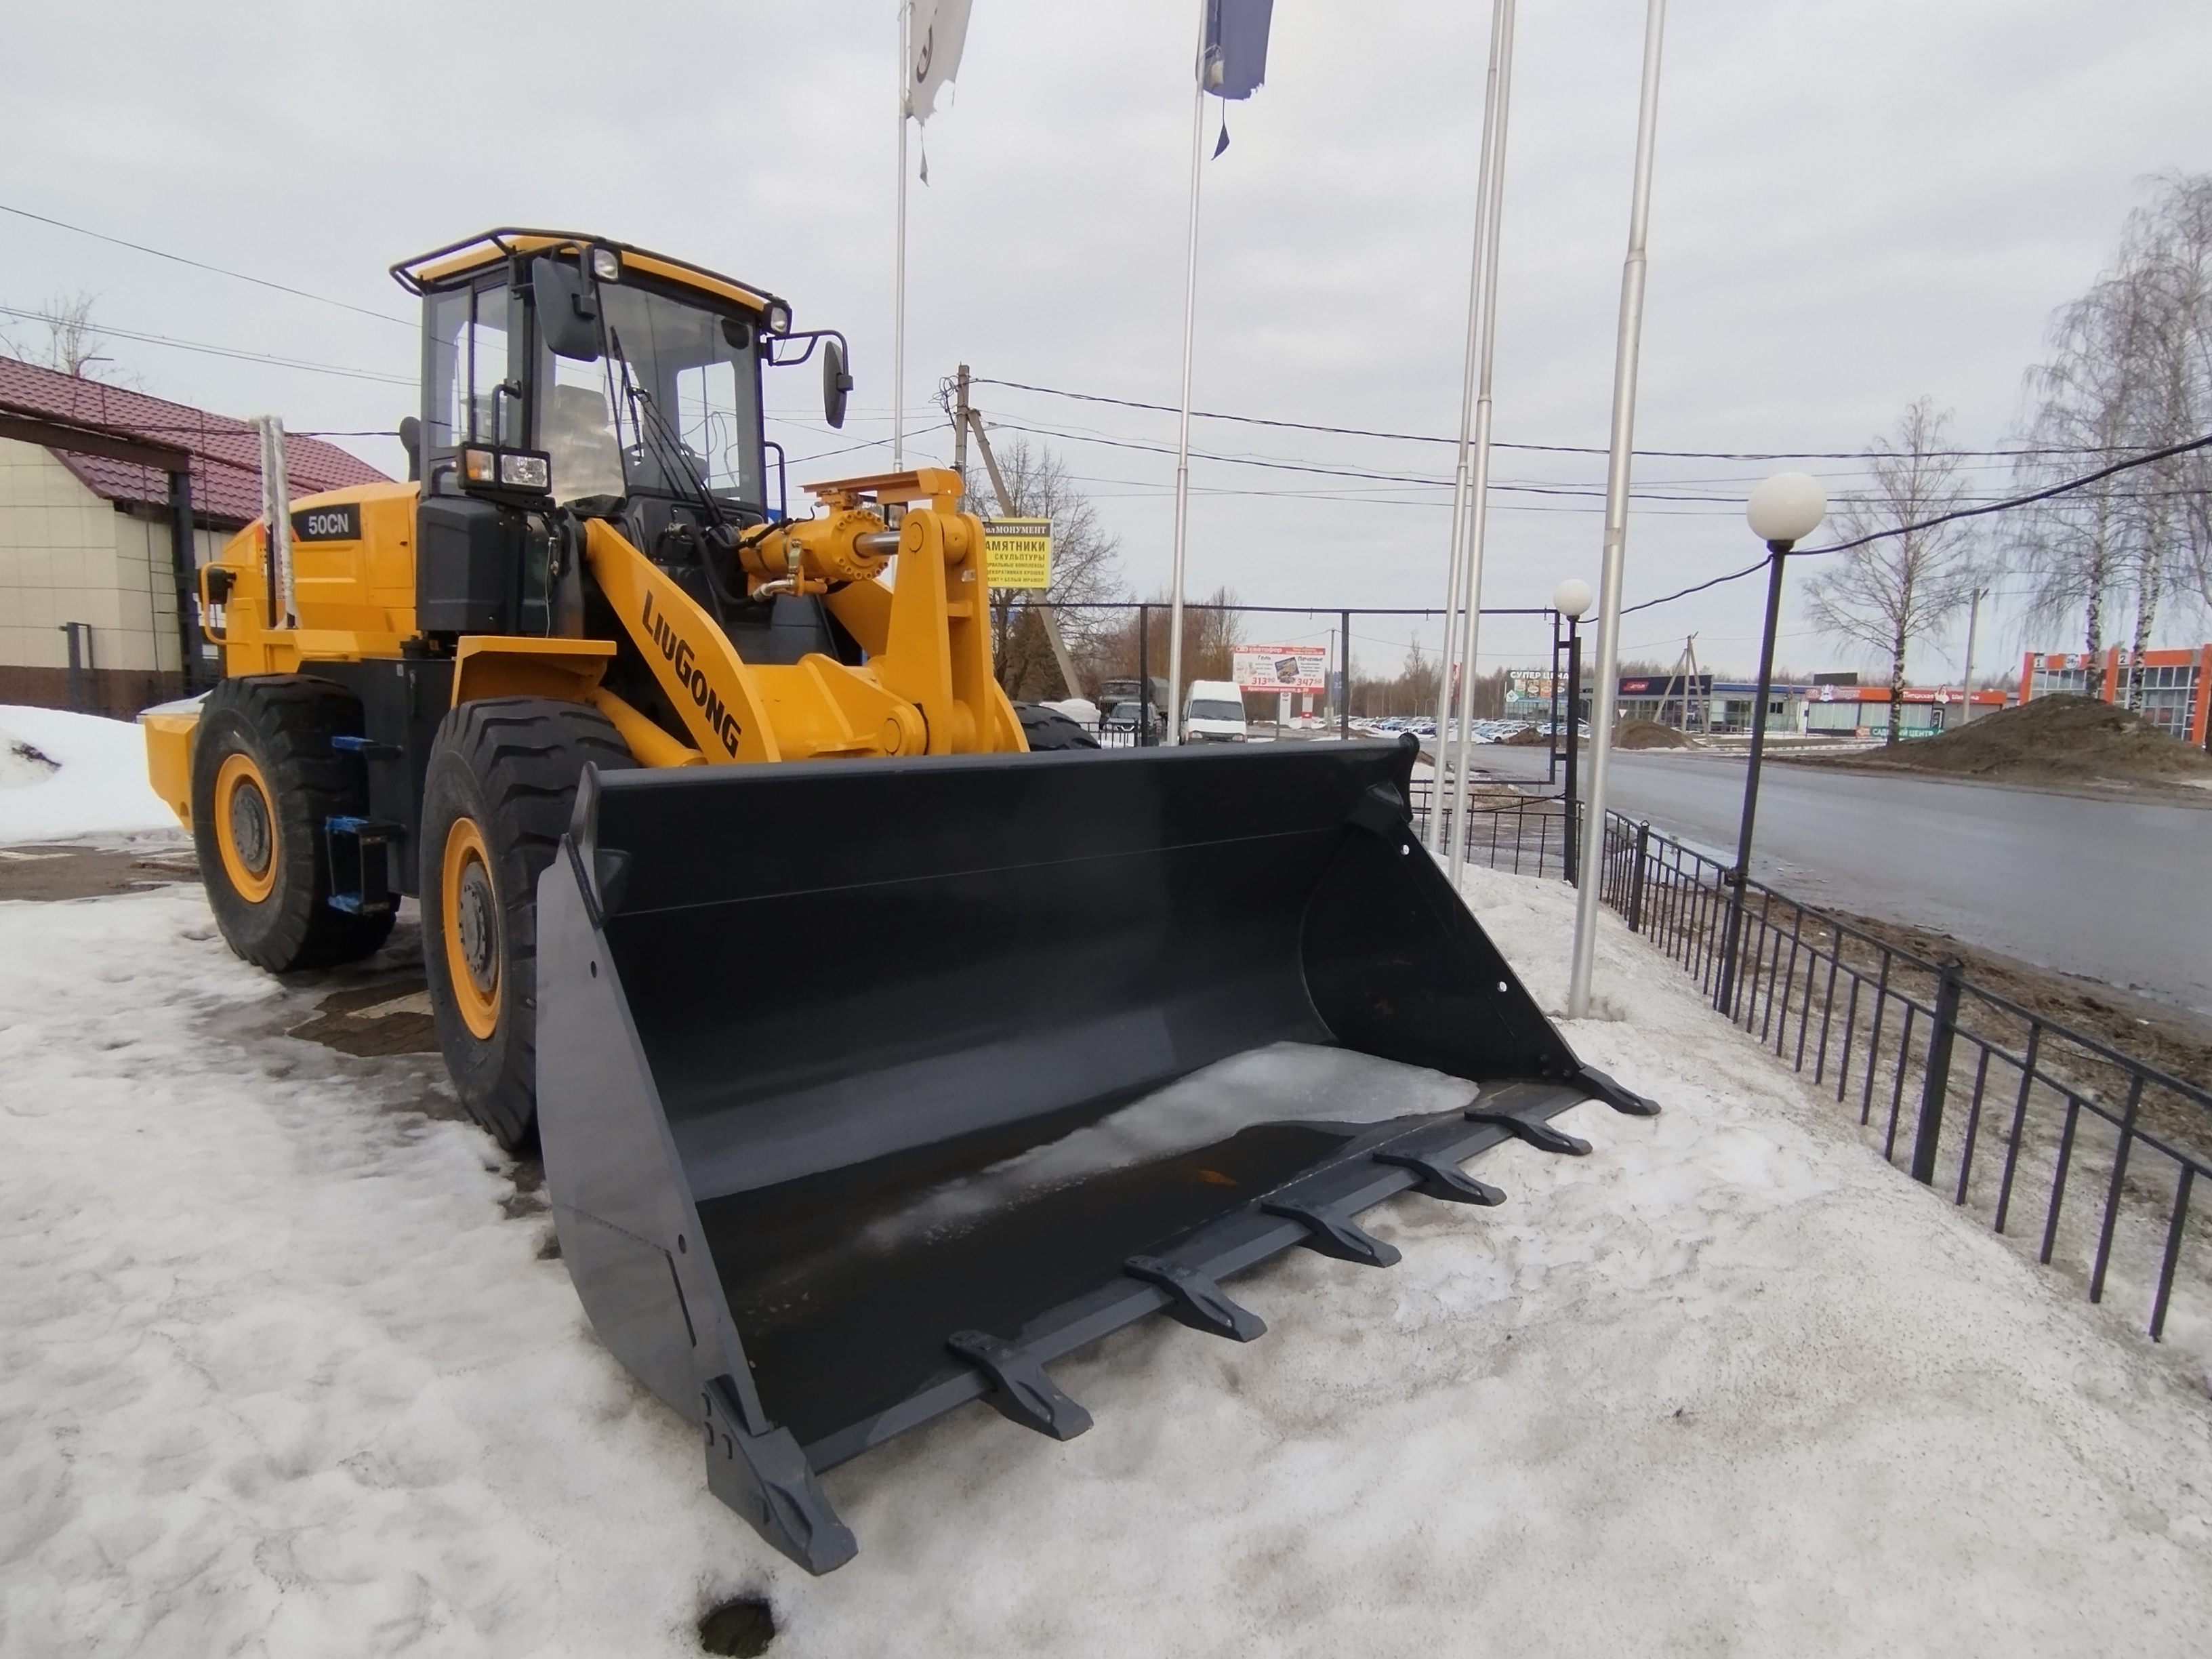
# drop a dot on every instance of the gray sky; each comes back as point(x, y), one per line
point(1857, 202)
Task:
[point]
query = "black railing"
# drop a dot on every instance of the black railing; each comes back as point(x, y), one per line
point(2010, 1113)
point(1504, 829)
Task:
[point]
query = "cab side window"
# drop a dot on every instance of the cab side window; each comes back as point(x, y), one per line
point(475, 396)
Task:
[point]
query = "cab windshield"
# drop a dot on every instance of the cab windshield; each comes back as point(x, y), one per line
point(1209, 709)
point(671, 408)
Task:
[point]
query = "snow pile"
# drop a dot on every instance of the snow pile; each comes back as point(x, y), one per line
point(279, 1374)
point(72, 777)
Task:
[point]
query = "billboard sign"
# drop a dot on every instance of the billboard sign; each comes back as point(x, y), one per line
point(1666, 685)
point(1281, 667)
point(1017, 552)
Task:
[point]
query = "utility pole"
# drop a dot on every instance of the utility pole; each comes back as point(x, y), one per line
point(960, 430)
point(1973, 621)
point(965, 418)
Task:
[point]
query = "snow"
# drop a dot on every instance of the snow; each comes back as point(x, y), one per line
point(70, 777)
point(282, 1372)
point(1262, 1086)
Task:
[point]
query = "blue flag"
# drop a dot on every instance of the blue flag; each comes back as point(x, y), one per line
point(1236, 57)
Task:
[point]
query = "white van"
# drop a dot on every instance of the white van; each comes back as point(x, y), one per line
point(1214, 712)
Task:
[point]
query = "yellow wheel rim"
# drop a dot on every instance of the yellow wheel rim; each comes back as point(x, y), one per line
point(471, 904)
point(245, 827)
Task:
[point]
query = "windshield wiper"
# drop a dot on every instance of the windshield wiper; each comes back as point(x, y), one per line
point(669, 454)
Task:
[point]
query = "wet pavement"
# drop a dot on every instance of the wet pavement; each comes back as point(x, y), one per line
point(2119, 891)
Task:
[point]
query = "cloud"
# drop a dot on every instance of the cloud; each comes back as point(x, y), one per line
point(1855, 203)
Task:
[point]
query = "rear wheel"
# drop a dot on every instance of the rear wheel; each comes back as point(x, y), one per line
point(265, 779)
point(496, 798)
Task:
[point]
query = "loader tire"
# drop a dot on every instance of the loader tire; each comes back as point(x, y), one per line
point(1047, 729)
point(495, 798)
point(265, 779)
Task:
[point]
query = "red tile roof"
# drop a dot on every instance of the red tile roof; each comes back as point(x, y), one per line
point(226, 453)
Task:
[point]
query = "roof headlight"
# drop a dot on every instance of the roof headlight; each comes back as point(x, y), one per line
point(779, 316)
point(606, 265)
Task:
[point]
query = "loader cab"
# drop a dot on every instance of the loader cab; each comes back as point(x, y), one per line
point(564, 371)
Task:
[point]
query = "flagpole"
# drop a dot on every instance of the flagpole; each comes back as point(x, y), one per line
point(1183, 435)
point(1501, 96)
point(1604, 687)
point(898, 280)
point(1441, 816)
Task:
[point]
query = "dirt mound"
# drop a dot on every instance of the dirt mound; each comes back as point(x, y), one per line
point(1647, 734)
point(1526, 738)
point(2055, 739)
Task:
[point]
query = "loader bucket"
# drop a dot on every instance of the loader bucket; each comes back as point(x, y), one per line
point(837, 1062)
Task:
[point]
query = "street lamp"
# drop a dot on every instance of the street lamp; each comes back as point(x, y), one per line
point(1782, 511)
point(1572, 600)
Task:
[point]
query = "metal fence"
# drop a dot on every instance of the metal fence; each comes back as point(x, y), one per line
point(2055, 1138)
point(1526, 834)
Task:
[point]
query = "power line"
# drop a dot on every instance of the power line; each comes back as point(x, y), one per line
point(2167, 453)
point(2084, 481)
point(197, 264)
point(1575, 491)
point(205, 349)
point(1546, 449)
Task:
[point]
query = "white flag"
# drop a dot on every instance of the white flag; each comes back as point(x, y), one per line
point(936, 31)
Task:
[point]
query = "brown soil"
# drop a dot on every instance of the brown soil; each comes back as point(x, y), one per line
point(1526, 738)
point(2173, 1040)
point(1647, 734)
point(2051, 740)
point(49, 874)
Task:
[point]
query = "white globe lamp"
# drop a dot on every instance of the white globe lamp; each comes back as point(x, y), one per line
point(1786, 508)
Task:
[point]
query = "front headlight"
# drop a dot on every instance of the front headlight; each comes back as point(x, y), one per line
point(526, 472)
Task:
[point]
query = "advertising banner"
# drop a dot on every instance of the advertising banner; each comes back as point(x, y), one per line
point(1017, 552)
point(1281, 667)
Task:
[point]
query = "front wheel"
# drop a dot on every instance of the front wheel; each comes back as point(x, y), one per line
point(496, 798)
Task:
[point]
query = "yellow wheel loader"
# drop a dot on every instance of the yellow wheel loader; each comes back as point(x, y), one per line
point(847, 1074)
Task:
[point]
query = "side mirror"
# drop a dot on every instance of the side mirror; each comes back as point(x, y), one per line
point(835, 382)
point(568, 309)
point(410, 439)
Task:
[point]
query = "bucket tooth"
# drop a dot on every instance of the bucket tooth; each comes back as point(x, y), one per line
point(766, 1478)
point(1540, 1135)
point(1019, 1389)
point(1621, 1099)
point(1197, 1299)
point(1336, 1235)
point(1443, 1180)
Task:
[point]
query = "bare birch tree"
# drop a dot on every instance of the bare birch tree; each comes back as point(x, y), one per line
point(1902, 587)
point(2130, 371)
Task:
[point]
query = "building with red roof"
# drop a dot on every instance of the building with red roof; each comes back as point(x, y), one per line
point(109, 502)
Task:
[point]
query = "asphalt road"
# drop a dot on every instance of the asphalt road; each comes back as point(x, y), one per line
point(2119, 891)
